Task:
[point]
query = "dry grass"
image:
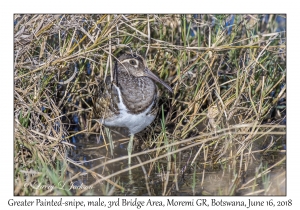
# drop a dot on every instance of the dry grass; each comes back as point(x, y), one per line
point(221, 133)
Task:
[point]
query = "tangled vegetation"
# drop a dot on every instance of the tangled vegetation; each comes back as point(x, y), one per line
point(223, 132)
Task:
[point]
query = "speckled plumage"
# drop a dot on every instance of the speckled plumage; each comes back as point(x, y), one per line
point(131, 99)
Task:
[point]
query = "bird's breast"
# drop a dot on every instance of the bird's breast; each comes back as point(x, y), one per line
point(137, 94)
point(133, 120)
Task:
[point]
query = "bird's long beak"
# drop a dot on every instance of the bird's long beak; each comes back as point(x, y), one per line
point(149, 74)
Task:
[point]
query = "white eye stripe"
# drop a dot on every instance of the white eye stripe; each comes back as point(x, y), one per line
point(128, 61)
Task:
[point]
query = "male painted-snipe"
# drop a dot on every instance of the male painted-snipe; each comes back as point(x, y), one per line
point(131, 99)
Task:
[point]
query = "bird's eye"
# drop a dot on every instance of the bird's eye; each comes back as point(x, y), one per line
point(132, 62)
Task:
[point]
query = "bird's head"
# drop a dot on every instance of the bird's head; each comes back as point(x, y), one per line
point(136, 66)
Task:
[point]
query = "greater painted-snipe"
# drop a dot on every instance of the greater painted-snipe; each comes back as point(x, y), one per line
point(131, 99)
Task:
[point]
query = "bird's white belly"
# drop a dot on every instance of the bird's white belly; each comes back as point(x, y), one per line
point(134, 122)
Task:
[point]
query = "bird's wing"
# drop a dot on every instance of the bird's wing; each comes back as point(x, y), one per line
point(105, 99)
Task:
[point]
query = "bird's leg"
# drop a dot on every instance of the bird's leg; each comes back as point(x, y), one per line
point(129, 149)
